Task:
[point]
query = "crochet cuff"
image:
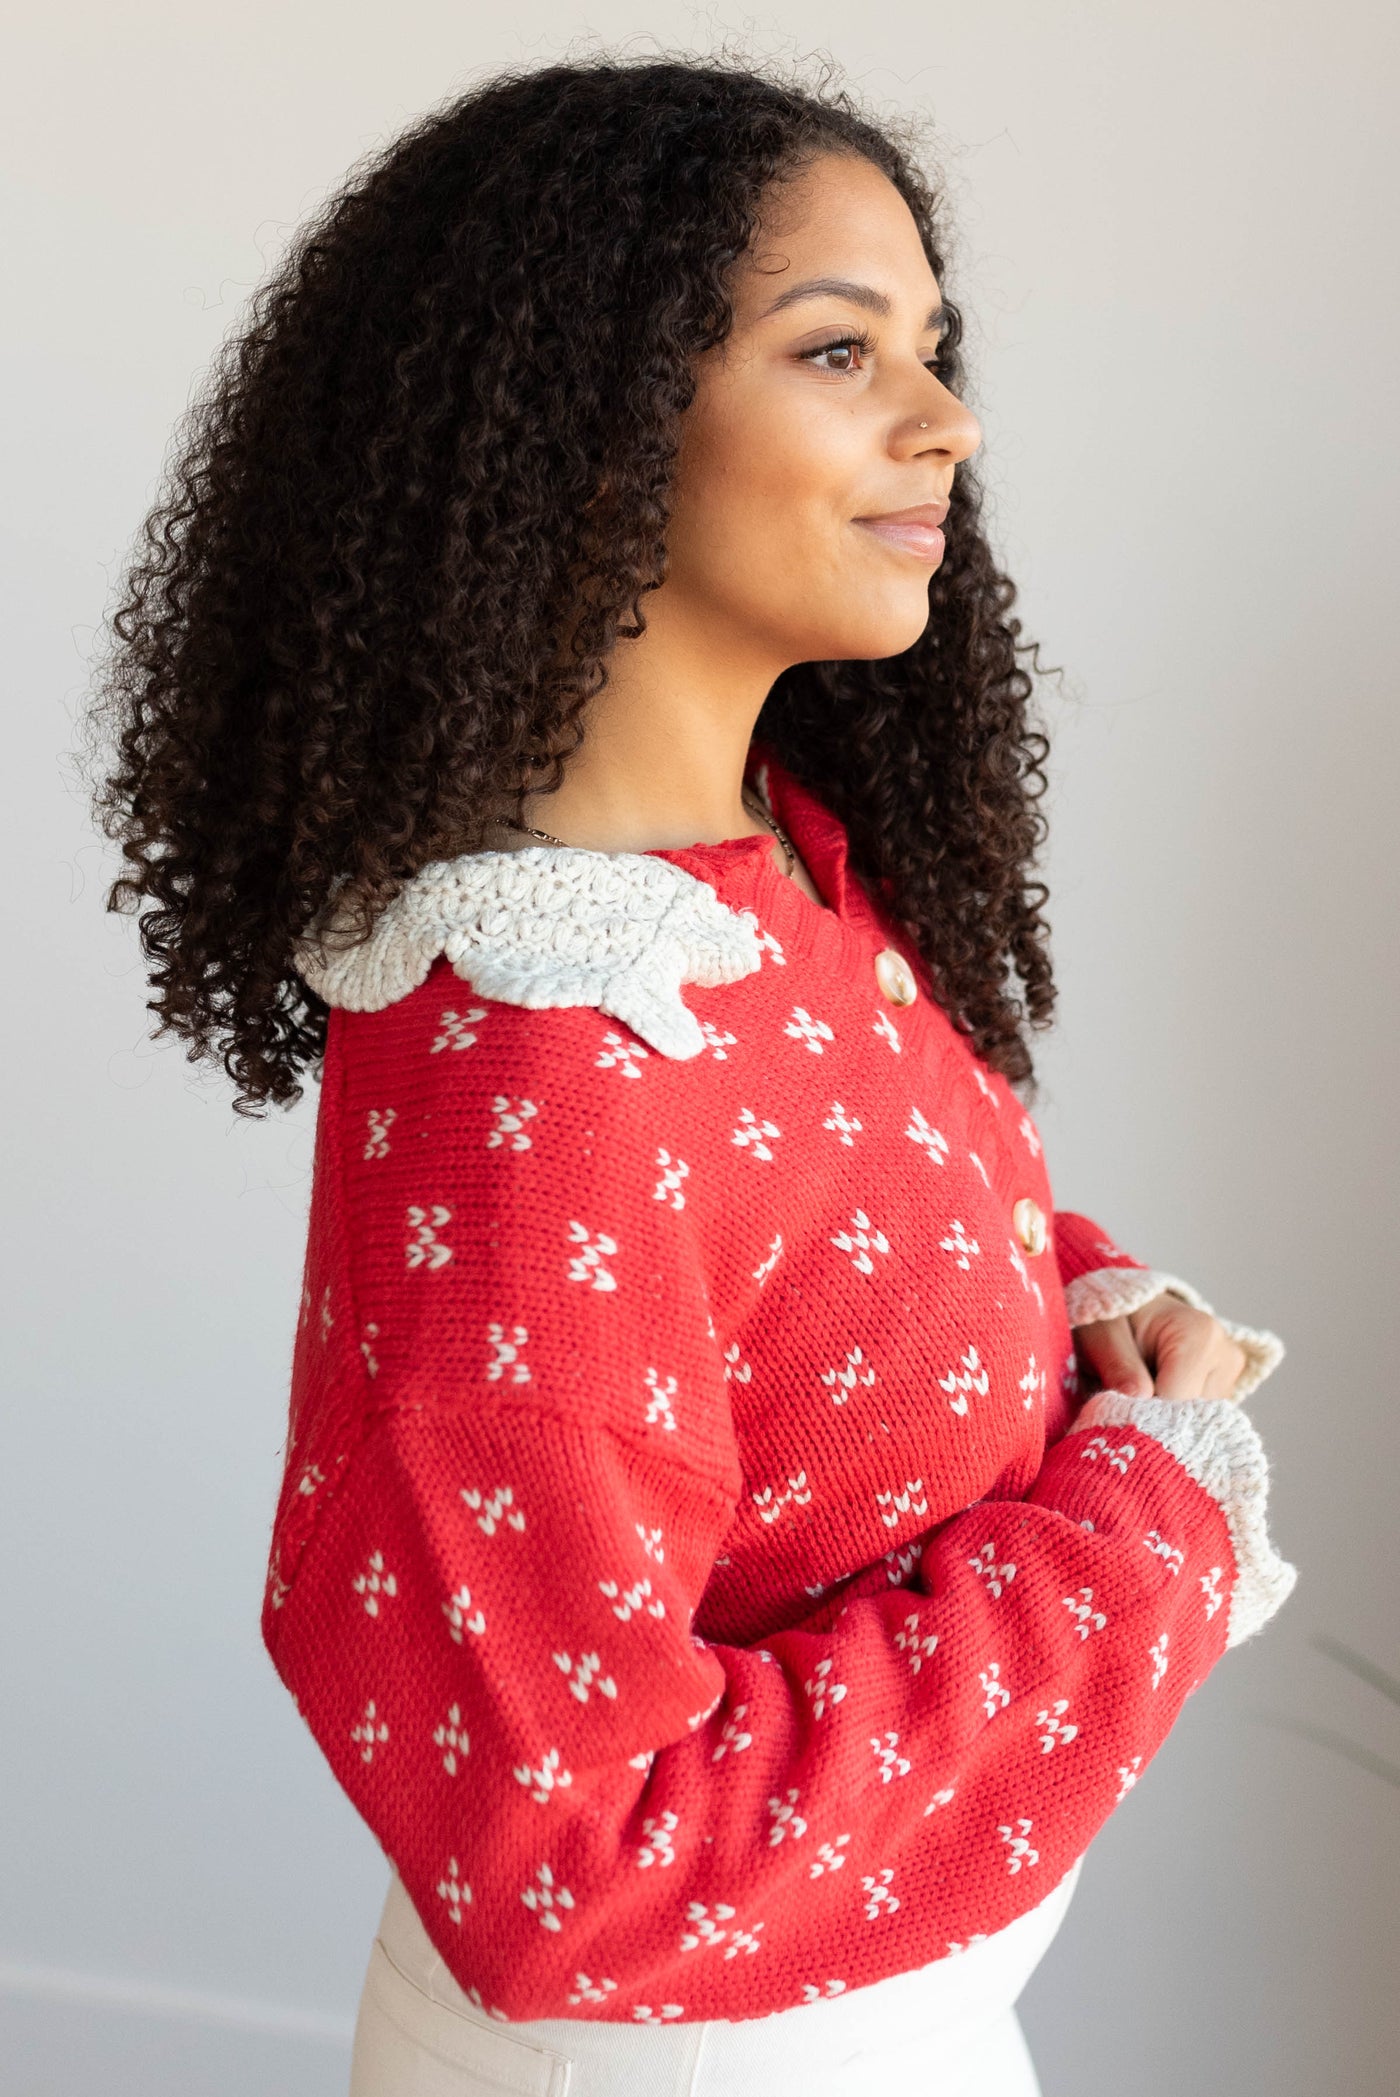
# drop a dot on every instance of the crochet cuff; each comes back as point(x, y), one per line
point(1112, 1292)
point(1220, 1447)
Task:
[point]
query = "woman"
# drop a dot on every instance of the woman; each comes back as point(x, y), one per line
point(549, 698)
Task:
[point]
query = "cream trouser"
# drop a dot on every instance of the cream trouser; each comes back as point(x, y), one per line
point(946, 2030)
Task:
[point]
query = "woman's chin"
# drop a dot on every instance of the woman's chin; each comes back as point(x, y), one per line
point(879, 629)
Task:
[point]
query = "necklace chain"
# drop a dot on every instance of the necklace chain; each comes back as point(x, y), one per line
point(760, 811)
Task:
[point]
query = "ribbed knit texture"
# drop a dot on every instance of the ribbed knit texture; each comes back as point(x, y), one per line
point(681, 1559)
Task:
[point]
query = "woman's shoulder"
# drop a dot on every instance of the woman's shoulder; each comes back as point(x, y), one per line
point(541, 928)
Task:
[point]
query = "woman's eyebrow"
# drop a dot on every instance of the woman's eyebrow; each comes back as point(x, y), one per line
point(857, 294)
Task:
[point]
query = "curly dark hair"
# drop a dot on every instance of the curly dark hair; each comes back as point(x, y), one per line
point(422, 497)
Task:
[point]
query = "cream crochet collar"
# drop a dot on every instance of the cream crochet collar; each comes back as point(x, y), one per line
point(547, 925)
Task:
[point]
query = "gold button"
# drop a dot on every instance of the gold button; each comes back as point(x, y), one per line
point(1028, 1219)
point(895, 977)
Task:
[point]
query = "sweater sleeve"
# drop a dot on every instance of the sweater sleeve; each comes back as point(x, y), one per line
point(1100, 1280)
point(483, 1606)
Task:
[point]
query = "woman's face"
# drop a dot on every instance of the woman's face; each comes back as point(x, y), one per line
point(790, 442)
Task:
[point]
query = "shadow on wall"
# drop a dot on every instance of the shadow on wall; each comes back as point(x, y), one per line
point(1366, 1671)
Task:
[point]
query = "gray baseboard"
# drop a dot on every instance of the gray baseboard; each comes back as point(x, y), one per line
point(78, 2035)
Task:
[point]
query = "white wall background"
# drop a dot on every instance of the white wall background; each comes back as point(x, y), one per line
point(1178, 243)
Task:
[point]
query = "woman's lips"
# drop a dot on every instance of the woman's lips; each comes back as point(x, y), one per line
point(924, 540)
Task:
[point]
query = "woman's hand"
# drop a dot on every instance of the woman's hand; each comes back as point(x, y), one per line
point(1165, 1349)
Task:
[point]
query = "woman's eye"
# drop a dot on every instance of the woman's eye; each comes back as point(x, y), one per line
point(840, 344)
point(861, 343)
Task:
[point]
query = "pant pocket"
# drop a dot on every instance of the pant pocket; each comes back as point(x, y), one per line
point(407, 2045)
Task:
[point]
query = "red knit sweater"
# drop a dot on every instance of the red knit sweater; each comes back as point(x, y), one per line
point(682, 1560)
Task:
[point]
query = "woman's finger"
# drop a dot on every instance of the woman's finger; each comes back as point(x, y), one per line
point(1227, 1366)
point(1108, 1348)
point(1183, 1355)
point(1192, 1355)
